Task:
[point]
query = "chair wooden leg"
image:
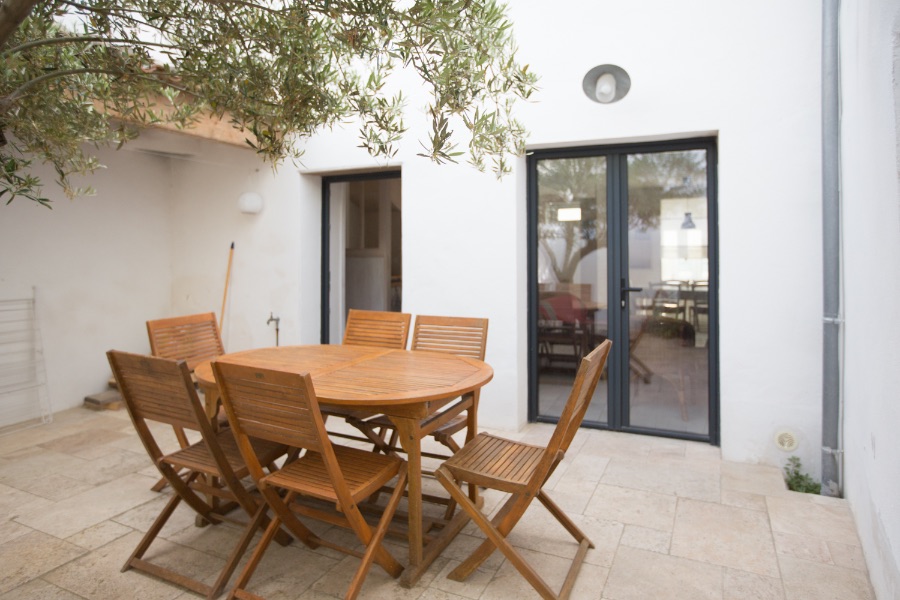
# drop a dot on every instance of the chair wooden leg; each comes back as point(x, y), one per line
point(563, 519)
point(255, 523)
point(495, 537)
point(238, 590)
point(152, 532)
point(375, 551)
point(505, 519)
point(281, 508)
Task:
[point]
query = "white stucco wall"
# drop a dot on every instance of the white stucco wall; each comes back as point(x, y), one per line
point(99, 266)
point(870, 41)
point(749, 73)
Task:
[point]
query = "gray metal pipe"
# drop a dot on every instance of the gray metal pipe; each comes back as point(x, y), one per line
point(831, 245)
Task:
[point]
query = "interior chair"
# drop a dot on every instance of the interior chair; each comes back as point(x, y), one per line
point(565, 330)
point(282, 408)
point(669, 299)
point(461, 336)
point(522, 470)
point(160, 390)
point(191, 338)
point(700, 295)
point(378, 329)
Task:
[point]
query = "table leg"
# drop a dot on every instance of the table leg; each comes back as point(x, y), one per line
point(421, 557)
point(411, 441)
point(471, 432)
point(211, 406)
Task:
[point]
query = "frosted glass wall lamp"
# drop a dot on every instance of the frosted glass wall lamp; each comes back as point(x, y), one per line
point(250, 203)
point(606, 84)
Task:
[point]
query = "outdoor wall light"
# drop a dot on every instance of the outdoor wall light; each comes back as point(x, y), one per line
point(606, 84)
point(250, 203)
point(688, 222)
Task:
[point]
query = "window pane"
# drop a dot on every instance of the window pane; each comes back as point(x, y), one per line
point(572, 277)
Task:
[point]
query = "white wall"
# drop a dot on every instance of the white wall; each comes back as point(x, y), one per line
point(871, 210)
point(748, 72)
point(275, 267)
point(100, 266)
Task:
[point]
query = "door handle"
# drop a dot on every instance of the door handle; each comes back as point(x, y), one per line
point(626, 289)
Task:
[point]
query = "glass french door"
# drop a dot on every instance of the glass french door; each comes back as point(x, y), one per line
point(622, 246)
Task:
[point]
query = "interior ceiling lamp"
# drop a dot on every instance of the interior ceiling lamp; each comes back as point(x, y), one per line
point(606, 84)
point(250, 203)
point(569, 214)
point(688, 222)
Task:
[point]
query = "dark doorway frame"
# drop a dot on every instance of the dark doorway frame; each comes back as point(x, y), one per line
point(325, 300)
point(617, 190)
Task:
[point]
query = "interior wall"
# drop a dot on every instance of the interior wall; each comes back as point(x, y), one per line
point(870, 71)
point(100, 266)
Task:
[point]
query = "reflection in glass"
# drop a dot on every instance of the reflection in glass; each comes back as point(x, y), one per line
point(572, 277)
point(668, 327)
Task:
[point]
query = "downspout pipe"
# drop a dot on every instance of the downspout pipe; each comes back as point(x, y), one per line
point(832, 453)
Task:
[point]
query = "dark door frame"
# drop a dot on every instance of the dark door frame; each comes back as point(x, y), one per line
point(617, 267)
point(325, 300)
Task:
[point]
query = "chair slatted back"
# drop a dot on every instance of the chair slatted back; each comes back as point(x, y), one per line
point(381, 329)
point(157, 389)
point(271, 405)
point(576, 406)
point(582, 391)
point(280, 407)
point(192, 338)
point(453, 335)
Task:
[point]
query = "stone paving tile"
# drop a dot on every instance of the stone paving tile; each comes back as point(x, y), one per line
point(89, 508)
point(724, 535)
point(741, 585)
point(814, 516)
point(673, 476)
point(668, 519)
point(641, 575)
point(98, 575)
point(633, 507)
point(32, 555)
point(38, 589)
point(808, 580)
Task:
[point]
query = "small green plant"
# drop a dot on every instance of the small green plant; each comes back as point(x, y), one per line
point(797, 480)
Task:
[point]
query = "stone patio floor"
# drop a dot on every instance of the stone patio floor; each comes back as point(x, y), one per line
point(669, 519)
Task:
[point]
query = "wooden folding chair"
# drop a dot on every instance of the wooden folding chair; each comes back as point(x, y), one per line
point(282, 407)
point(191, 338)
point(379, 329)
point(522, 470)
point(452, 335)
point(161, 390)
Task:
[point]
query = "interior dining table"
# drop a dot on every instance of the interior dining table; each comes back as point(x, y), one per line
point(411, 387)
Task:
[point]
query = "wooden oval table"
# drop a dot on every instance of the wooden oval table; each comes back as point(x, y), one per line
point(410, 387)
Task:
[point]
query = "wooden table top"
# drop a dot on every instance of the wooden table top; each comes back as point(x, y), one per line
point(361, 375)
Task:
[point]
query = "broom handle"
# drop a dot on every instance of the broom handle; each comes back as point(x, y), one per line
point(225, 293)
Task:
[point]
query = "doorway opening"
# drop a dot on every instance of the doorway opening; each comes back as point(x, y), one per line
point(362, 252)
point(622, 245)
